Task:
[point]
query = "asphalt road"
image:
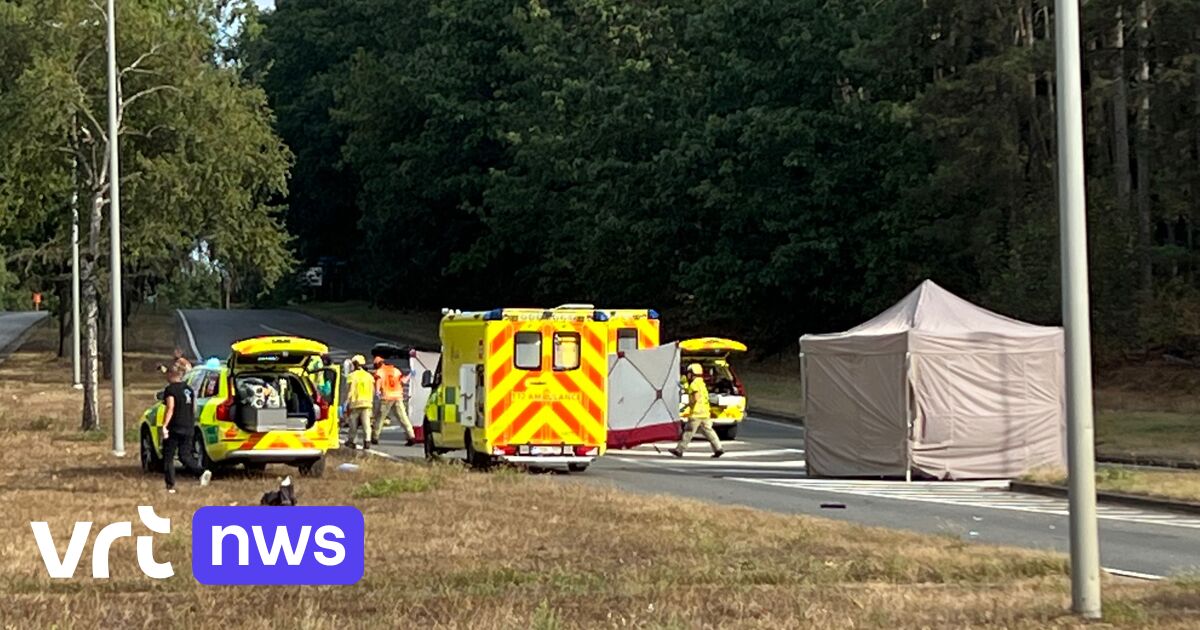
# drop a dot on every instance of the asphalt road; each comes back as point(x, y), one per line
point(764, 469)
point(13, 324)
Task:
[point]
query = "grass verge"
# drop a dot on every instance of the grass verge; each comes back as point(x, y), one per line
point(1177, 485)
point(504, 550)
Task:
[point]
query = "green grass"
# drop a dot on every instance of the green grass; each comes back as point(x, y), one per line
point(1180, 485)
point(1148, 434)
point(395, 486)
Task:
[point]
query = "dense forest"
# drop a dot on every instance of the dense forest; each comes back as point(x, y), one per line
point(757, 168)
point(752, 167)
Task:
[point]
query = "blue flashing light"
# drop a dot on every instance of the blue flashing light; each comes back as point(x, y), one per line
point(652, 314)
point(213, 363)
point(493, 315)
point(600, 316)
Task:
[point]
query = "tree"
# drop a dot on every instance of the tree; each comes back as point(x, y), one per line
point(200, 162)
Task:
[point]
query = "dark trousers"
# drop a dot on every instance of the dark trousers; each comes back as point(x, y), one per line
point(180, 443)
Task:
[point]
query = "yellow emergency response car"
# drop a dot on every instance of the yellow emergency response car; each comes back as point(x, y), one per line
point(521, 385)
point(263, 405)
point(726, 392)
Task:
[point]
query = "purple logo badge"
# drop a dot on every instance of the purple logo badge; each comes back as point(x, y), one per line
point(278, 545)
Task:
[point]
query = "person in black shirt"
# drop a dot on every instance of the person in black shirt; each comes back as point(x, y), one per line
point(179, 420)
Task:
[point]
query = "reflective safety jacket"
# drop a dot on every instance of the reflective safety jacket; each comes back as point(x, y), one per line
point(389, 382)
point(698, 392)
point(361, 390)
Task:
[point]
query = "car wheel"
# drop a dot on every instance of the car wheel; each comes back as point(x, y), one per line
point(475, 460)
point(431, 451)
point(254, 467)
point(313, 468)
point(201, 452)
point(578, 468)
point(728, 432)
point(151, 461)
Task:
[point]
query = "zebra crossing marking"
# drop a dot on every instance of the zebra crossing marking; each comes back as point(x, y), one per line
point(985, 494)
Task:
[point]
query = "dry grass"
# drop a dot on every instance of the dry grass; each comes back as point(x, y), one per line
point(1181, 485)
point(451, 548)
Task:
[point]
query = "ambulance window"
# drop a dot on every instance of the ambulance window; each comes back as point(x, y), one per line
point(212, 383)
point(627, 339)
point(528, 352)
point(566, 351)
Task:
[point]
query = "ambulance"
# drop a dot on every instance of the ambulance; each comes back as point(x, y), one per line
point(630, 329)
point(521, 385)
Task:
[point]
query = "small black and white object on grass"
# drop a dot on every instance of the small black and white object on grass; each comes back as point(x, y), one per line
point(285, 495)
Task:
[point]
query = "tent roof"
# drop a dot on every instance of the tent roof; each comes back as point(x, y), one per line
point(931, 309)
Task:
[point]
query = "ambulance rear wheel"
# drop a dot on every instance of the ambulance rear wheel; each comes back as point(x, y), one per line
point(577, 467)
point(431, 451)
point(474, 458)
point(312, 468)
point(727, 432)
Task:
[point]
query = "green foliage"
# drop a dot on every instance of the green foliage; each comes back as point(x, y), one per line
point(197, 287)
point(756, 168)
point(394, 486)
point(202, 167)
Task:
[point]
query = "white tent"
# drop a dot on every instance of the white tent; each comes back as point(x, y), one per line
point(934, 385)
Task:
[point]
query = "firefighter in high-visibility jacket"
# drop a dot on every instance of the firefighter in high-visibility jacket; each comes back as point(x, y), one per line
point(389, 385)
point(360, 399)
point(699, 414)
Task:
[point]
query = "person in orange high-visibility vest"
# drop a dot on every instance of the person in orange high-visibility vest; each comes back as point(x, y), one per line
point(389, 386)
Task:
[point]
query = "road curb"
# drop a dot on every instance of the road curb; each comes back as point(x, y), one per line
point(1152, 462)
point(1131, 500)
point(776, 417)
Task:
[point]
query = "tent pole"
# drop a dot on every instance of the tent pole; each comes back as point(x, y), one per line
point(908, 420)
point(803, 386)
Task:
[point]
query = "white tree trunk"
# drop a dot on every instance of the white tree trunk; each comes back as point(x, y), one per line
point(90, 319)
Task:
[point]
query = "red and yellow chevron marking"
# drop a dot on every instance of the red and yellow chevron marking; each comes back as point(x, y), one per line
point(547, 406)
point(274, 440)
point(647, 331)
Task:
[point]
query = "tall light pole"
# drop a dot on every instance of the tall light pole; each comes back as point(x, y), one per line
point(1081, 457)
point(76, 380)
point(114, 189)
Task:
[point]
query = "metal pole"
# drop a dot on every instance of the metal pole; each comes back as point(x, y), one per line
point(1085, 545)
point(114, 183)
point(908, 421)
point(76, 380)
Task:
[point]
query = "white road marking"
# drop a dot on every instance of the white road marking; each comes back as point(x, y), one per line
point(789, 425)
point(1135, 574)
point(187, 328)
point(709, 462)
point(986, 495)
point(763, 453)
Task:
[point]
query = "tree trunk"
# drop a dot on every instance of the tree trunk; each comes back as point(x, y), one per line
point(1145, 262)
point(1120, 117)
point(90, 319)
